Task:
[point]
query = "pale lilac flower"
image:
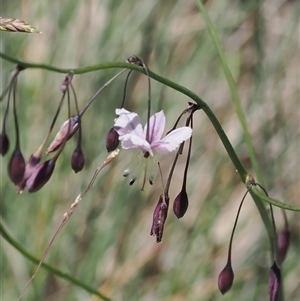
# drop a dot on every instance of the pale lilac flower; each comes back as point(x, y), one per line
point(132, 135)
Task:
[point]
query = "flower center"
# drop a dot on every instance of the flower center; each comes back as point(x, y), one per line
point(139, 168)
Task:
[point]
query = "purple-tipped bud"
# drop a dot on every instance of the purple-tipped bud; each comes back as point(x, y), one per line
point(77, 160)
point(40, 175)
point(16, 167)
point(226, 279)
point(159, 217)
point(32, 162)
point(4, 144)
point(181, 204)
point(66, 131)
point(274, 282)
point(283, 243)
point(112, 140)
point(134, 60)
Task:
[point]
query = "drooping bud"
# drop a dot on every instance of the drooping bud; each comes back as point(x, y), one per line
point(226, 279)
point(283, 243)
point(181, 204)
point(112, 140)
point(159, 217)
point(40, 175)
point(4, 144)
point(66, 131)
point(77, 160)
point(16, 167)
point(134, 60)
point(274, 282)
point(32, 162)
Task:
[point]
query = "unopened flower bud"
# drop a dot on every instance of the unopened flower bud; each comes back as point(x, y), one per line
point(274, 282)
point(65, 85)
point(226, 279)
point(134, 60)
point(283, 243)
point(181, 204)
point(30, 165)
point(112, 140)
point(77, 160)
point(40, 175)
point(159, 217)
point(16, 167)
point(4, 144)
point(66, 131)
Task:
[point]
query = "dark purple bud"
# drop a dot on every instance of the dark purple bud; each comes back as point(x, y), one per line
point(181, 204)
point(226, 279)
point(65, 85)
point(134, 60)
point(66, 131)
point(77, 160)
point(32, 162)
point(4, 144)
point(16, 167)
point(159, 217)
point(283, 243)
point(112, 140)
point(274, 282)
point(40, 175)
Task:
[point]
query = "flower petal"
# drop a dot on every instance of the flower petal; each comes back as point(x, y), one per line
point(157, 126)
point(132, 141)
point(172, 140)
point(128, 123)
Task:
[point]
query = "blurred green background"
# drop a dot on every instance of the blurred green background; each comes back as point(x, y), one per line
point(106, 244)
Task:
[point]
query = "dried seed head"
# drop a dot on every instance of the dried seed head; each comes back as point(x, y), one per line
point(77, 160)
point(112, 140)
point(41, 174)
point(4, 144)
point(15, 25)
point(16, 167)
point(226, 279)
point(66, 131)
point(159, 217)
point(283, 243)
point(274, 282)
point(32, 162)
point(181, 204)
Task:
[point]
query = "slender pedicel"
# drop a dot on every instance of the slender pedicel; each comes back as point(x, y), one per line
point(226, 277)
point(137, 61)
point(125, 89)
point(77, 159)
point(283, 241)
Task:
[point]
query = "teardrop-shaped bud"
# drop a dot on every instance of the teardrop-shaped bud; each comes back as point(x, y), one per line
point(159, 217)
point(66, 131)
point(283, 243)
point(40, 175)
point(226, 279)
point(77, 160)
point(30, 165)
point(181, 204)
point(16, 167)
point(112, 140)
point(274, 282)
point(4, 144)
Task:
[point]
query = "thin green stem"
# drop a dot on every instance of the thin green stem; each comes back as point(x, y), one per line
point(233, 89)
point(48, 267)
